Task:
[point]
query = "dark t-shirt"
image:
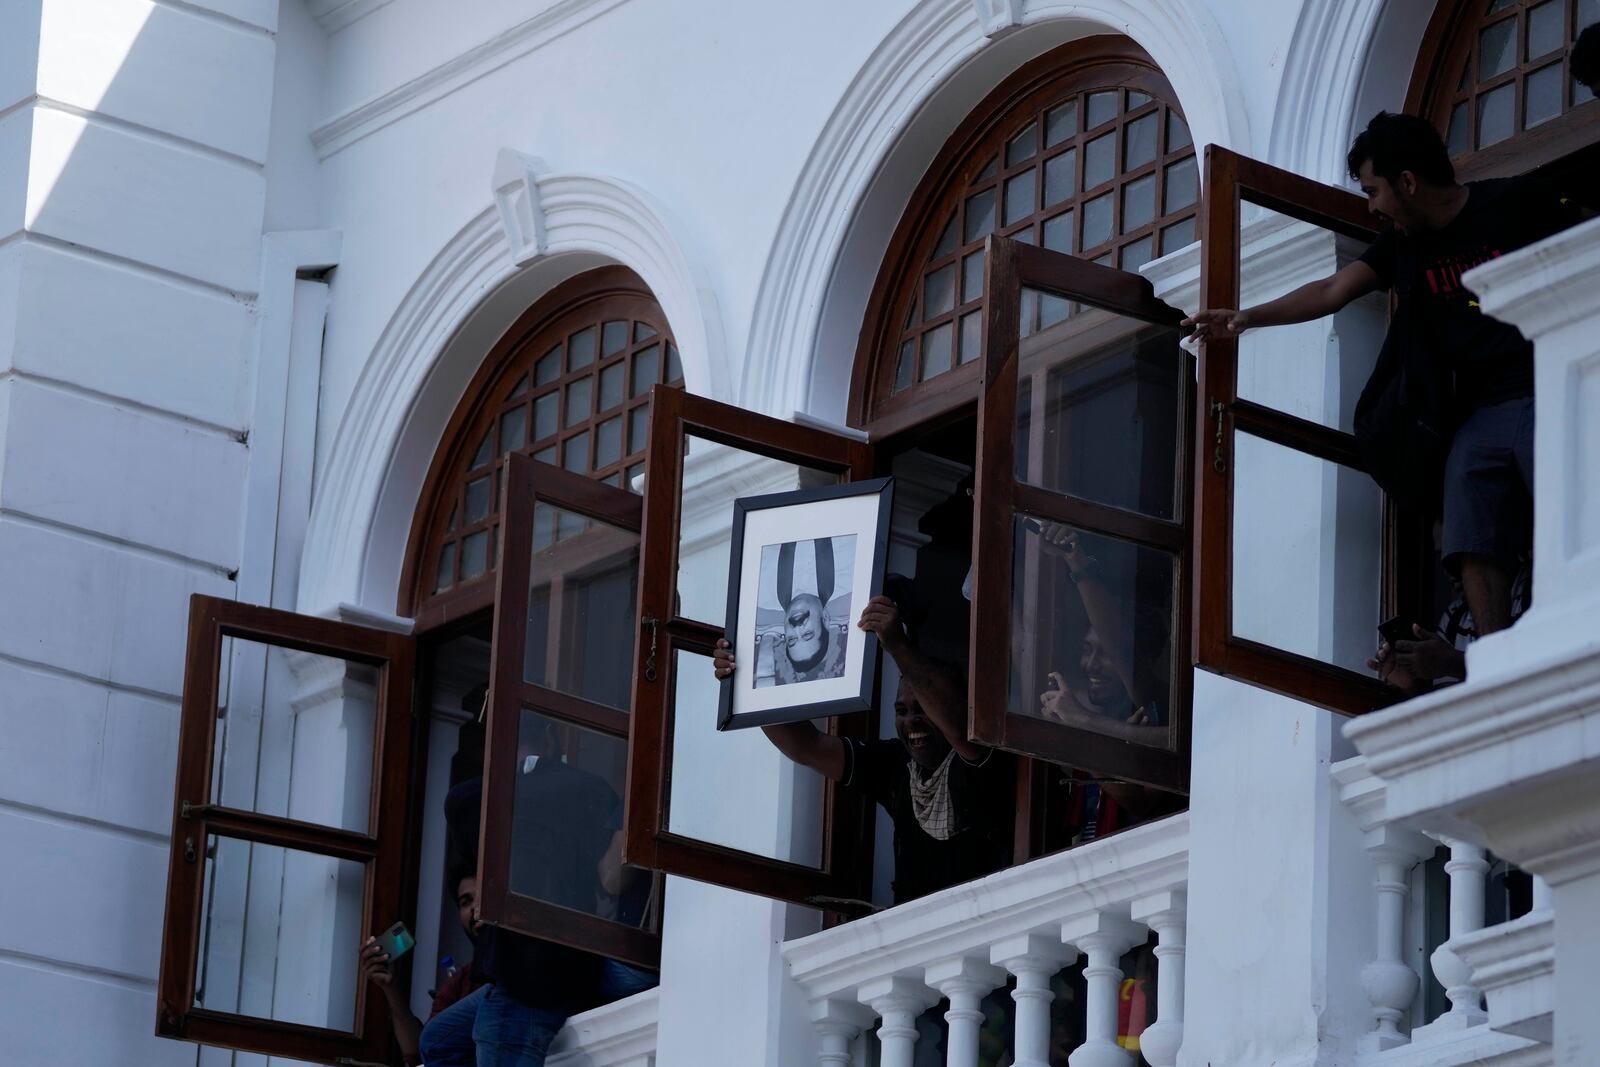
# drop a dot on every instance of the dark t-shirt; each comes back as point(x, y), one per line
point(1490, 360)
point(980, 793)
point(538, 973)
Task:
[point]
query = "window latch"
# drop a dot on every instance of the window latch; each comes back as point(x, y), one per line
point(1219, 462)
point(650, 623)
point(191, 810)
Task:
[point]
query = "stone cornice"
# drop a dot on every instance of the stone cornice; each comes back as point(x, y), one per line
point(1036, 897)
point(1545, 286)
point(335, 15)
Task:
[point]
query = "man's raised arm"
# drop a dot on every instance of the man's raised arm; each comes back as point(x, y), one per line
point(1312, 300)
point(800, 741)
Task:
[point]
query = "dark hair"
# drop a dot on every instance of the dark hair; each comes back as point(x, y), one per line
point(1585, 58)
point(1397, 143)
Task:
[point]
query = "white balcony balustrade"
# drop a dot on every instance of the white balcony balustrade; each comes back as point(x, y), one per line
point(1029, 923)
point(622, 1034)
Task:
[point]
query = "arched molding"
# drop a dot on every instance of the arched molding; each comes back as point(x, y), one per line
point(1347, 60)
point(461, 303)
point(912, 92)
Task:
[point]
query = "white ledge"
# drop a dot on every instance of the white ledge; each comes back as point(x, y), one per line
point(1104, 875)
point(1514, 964)
point(619, 1033)
point(1544, 286)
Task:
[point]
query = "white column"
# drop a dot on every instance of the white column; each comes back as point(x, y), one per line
point(1389, 984)
point(838, 1023)
point(1102, 938)
point(1541, 894)
point(898, 1000)
point(1466, 868)
point(1034, 959)
point(964, 981)
point(1166, 913)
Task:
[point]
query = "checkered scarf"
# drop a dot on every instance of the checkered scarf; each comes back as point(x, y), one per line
point(930, 799)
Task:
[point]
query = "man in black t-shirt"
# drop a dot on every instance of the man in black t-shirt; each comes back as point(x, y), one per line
point(1440, 230)
point(949, 799)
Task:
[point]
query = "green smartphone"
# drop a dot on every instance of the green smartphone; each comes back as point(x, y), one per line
point(396, 941)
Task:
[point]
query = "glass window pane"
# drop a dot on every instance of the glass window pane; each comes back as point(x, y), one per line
point(1586, 13)
point(613, 338)
point(947, 240)
point(939, 291)
point(639, 429)
point(1137, 99)
point(635, 479)
point(513, 430)
point(546, 410)
point(1496, 115)
point(484, 452)
point(1497, 48)
point(1139, 141)
point(608, 442)
point(1177, 236)
point(697, 804)
point(475, 554)
point(1060, 123)
point(328, 701)
point(971, 336)
point(1097, 221)
point(979, 218)
point(613, 383)
point(292, 916)
point(447, 567)
point(988, 170)
point(580, 406)
point(905, 366)
point(1542, 95)
point(1138, 253)
point(1092, 632)
point(1456, 139)
point(1138, 203)
point(1545, 28)
point(674, 364)
point(567, 827)
point(520, 389)
point(580, 349)
point(643, 331)
point(703, 558)
point(575, 453)
point(1058, 232)
point(646, 369)
point(1099, 160)
point(478, 499)
point(1022, 145)
point(972, 277)
point(581, 592)
point(1307, 553)
point(1177, 132)
point(936, 350)
point(1019, 197)
point(548, 369)
point(1098, 412)
point(1102, 108)
point(1183, 186)
point(1060, 177)
point(545, 455)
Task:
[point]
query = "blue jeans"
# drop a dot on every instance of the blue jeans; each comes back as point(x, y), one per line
point(490, 1028)
point(618, 980)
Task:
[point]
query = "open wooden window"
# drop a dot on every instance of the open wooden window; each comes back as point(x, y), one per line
point(683, 818)
point(269, 898)
point(1295, 543)
point(1082, 520)
point(556, 762)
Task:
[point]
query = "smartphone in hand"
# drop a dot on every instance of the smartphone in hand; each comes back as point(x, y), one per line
point(396, 941)
point(1396, 629)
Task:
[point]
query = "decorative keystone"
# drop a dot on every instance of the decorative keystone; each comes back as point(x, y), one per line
point(516, 195)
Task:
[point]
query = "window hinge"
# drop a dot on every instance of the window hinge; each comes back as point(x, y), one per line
point(191, 810)
point(651, 623)
point(1219, 462)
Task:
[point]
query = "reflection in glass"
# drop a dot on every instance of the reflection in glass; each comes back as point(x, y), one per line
point(1307, 550)
point(1092, 632)
point(566, 829)
point(326, 703)
point(1098, 411)
point(280, 934)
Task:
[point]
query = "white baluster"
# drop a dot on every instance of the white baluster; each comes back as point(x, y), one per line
point(1102, 938)
point(838, 1023)
point(965, 982)
point(1166, 913)
point(1466, 868)
point(898, 1000)
point(1389, 984)
point(1034, 959)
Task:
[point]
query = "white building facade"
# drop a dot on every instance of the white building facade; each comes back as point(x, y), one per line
point(272, 271)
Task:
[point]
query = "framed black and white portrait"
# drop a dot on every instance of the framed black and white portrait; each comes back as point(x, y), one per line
point(803, 565)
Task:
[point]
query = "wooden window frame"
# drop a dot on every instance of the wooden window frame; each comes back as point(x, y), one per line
point(1231, 180)
point(998, 496)
point(842, 881)
point(381, 849)
point(1449, 44)
point(527, 483)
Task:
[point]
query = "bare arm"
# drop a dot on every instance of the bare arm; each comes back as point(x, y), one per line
point(942, 696)
point(1312, 300)
point(376, 967)
point(800, 741)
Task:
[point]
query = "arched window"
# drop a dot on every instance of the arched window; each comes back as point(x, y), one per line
point(1492, 76)
point(1083, 151)
point(568, 384)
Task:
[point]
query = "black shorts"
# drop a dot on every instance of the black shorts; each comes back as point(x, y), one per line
point(1488, 486)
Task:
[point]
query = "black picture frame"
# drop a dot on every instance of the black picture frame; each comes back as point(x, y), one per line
point(862, 694)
